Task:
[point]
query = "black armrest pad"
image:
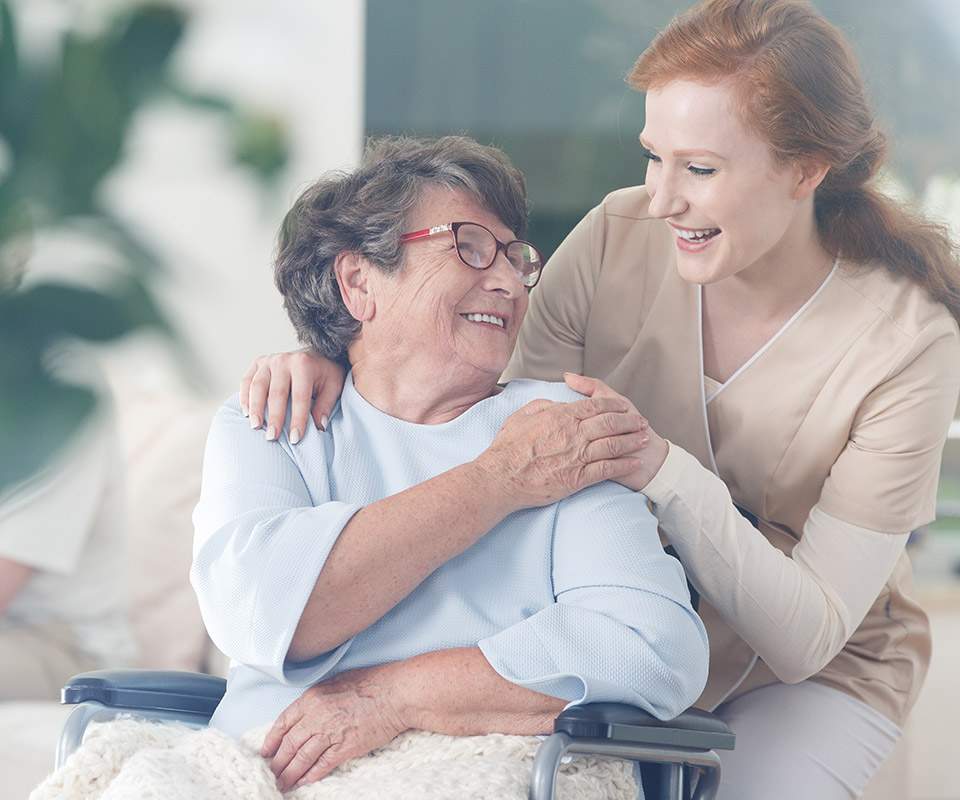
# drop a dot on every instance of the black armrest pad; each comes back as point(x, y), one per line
point(160, 690)
point(693, 729)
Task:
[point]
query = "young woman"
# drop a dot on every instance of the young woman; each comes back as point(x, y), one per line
point(791, 336)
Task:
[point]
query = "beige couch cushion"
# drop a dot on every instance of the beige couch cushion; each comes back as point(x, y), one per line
point(164, 438)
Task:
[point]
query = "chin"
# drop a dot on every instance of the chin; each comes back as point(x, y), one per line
point(694, 269)
point(495, 367)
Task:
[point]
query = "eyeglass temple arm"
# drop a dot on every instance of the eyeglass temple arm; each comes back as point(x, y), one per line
point(425, 232)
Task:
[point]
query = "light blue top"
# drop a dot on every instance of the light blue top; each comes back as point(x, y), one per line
point(575, 600)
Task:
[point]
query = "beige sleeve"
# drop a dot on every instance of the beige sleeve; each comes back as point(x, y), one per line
point(552, 335)
point(886, 477)
point(795, 612)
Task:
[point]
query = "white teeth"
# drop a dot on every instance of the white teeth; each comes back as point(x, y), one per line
point(484, 318)
point(694, 235)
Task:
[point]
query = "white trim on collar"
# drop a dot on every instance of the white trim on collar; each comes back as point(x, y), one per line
point(769, 343)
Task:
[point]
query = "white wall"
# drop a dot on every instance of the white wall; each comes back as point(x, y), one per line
point(214, 226)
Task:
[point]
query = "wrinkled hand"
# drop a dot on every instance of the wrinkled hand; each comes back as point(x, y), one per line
point(313, 381)
point(546, 451)
point(649, 456)
point(343, 718)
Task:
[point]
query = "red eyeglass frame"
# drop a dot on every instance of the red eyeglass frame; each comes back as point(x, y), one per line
point(501, 246)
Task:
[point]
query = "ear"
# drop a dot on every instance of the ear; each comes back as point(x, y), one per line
point(353, 278)
point(810, 175)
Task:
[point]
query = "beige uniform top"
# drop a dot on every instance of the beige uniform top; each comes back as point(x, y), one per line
point(842, 417)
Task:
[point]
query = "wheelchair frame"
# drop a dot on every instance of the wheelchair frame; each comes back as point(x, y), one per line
point(678, 756)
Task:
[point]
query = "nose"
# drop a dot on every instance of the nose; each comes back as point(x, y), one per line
point(502, 277)
point(665, 200)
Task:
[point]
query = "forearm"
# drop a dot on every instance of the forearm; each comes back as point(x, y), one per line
point(388, 548)
point(458, 693)
point(796, 611)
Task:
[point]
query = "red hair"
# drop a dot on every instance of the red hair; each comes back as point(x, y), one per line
point(800, 89)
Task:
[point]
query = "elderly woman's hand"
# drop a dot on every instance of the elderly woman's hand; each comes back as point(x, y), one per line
point(650, 456)
point(547, 451)
point(313, 382)
point(345, 717)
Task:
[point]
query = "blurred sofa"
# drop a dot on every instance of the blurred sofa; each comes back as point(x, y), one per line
point(163, 439)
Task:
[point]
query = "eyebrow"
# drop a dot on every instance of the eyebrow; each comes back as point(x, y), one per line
point(687, 153)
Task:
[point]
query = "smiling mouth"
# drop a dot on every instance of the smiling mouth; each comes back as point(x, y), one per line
point(697, 236)
point(489, 319)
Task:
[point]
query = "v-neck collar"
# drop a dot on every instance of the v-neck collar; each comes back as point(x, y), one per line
point(766, 345)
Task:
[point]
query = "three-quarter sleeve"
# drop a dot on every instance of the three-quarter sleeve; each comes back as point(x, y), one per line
point(886, 477)
point(622, 628)
point(552, 335)
point(796, 611)
point(260, 543)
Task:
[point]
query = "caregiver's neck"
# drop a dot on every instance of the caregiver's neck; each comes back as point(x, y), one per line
point(420, 391)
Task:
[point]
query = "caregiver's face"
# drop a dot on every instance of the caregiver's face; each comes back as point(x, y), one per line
point(439, 309)
point(715, 182)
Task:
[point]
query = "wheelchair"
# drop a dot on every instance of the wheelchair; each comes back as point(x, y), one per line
point(678, 759)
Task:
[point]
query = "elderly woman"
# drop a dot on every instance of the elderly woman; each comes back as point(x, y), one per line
point(414, 565)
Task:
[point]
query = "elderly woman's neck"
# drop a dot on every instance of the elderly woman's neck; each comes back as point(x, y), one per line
point(421, 394)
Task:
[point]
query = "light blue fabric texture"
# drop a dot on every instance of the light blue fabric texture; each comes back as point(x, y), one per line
point(575, 600)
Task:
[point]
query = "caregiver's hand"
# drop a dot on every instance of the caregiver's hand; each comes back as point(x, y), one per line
point(649, 456)
point(313, 382)
point(345, 717)
point(546, 451)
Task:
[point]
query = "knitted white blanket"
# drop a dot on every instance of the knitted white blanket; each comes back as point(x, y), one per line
point(130, 759)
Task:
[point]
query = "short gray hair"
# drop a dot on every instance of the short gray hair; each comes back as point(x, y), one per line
point(365, 212)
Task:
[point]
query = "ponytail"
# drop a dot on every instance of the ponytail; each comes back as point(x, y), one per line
point(863, 224)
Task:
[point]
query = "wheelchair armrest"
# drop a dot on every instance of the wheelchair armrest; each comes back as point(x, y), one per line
point(616, 722)
point(145, 689)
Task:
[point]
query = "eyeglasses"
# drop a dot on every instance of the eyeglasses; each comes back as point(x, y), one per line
point(477, 247)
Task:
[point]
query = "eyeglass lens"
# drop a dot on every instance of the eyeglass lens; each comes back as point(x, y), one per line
point(478, 248)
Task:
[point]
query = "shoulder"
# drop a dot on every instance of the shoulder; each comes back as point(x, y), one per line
point(632, 237)
point(623, 212)
point(899, 300)
point(630, 202)
point(630, 207)
point(904, 315)
point(232, 441)
point(609, 245)
point(230, 419)
point(520, 391)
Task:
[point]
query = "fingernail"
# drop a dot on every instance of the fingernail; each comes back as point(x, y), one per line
point(254, 422)
point(323, 422)
point(245, 410)
point(294, 436)
point(271, 433)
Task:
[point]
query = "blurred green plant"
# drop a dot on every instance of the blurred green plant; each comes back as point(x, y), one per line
point(63, 124)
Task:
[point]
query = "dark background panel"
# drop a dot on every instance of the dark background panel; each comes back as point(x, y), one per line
point(544, 80)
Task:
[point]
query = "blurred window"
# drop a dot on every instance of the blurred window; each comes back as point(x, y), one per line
point(544, 81)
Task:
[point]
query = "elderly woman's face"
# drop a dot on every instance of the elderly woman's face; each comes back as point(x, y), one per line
point(429, 307)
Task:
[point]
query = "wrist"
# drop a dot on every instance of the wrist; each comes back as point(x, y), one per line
point(659, 449)
point(395, 694)
point(411, 692)
point(488, 481)
point(652, 459)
